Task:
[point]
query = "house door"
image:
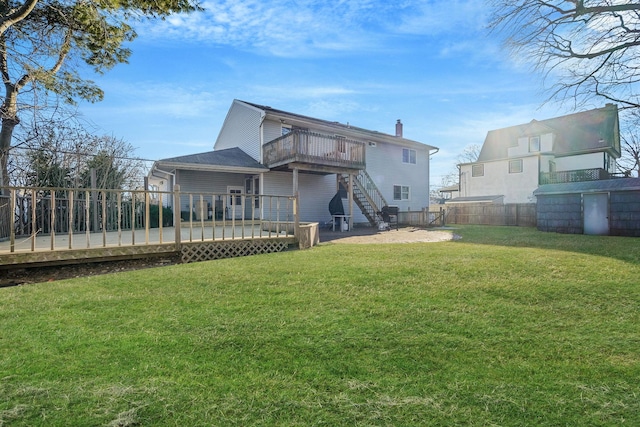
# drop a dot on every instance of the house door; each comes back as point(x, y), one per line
point(596, 213)
point(235, 202)
point(252, 191)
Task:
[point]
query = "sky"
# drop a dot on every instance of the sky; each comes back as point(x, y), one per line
point(430, 63)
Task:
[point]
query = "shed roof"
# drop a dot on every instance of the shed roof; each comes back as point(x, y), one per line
point(477, 199)
point(450, 188)
point(621, 184)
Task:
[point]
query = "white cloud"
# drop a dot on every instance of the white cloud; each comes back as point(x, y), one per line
point(287, 92)
point(158, 99)
point(308, 28)
point(437, 17)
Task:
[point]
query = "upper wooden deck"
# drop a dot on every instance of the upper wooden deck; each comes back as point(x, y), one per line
point(315, 152)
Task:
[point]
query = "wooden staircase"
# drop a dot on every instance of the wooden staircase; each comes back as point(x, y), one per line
point(366, 195)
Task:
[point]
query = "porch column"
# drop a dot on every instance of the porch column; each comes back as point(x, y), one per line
point(296, 204)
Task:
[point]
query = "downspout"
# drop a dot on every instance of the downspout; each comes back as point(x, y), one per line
point(263, 116)
point(173, 178)
point(429, 176)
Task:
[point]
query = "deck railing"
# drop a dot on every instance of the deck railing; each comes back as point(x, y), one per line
point(316, 149)
point(560, 177)
point(38, 219)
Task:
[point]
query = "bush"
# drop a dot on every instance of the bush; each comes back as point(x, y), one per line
point(154, 216)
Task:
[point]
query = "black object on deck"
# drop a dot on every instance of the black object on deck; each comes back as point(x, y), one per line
point(336, 208)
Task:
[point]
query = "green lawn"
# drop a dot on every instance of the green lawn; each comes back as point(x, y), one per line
point(505, 327)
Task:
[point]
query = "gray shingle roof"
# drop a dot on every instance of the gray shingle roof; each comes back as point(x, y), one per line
point(336, 125)
point(593, 130)
point(231, 157)
point(477, 199)
point(622, 184)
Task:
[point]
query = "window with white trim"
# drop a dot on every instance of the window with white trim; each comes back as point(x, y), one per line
point(534, 144)
point(477, 170)
point(515, 166)
point(285, 129)
point(400, 192)
point(409, 156)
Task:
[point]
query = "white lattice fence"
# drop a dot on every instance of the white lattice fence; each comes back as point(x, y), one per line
point(206, 251)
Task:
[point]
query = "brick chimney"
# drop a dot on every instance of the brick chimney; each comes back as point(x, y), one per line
point(399, 128)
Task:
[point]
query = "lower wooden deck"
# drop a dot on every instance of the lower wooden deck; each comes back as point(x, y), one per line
point(195, 244)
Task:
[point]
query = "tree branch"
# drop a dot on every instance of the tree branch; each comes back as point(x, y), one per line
point(17, 15)
point(595, 10)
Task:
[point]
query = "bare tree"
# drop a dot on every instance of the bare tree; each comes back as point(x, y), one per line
point(629, 163)
point(62, 154)
point(470, 153)
point(585, 49)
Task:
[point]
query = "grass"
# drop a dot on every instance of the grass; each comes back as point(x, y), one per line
point(507, 326)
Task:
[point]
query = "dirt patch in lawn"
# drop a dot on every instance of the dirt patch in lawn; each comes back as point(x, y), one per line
point(402, 235)
point(23, 276)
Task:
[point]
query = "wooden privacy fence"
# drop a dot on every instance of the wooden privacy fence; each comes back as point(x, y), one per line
point(423, 218)
point(522, 215)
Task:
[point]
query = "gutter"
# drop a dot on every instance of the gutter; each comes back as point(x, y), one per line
point(213, 168)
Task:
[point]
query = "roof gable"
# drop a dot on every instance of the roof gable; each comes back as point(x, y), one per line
point(583, 132)
point(326, 125)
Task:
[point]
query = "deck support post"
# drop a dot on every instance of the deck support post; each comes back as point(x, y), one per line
point(296, 205)
point(10, 217)
point(350, 195)
point(176, 217)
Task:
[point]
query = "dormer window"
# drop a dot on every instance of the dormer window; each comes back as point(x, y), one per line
point(534, 144)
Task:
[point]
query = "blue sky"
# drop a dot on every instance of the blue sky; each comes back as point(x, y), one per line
point(366, 62)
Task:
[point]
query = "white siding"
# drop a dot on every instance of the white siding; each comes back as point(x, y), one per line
point(241, 128)
point(315, 192)
point(515, 187)
point(385, 166)
point(205, 183)
point(546, 143)
point(271, 130)
point(523, 149)
point(584, 161)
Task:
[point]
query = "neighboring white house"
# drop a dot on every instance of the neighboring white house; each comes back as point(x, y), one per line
point(449, 192)
point(514, 161)
point(262, 150)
